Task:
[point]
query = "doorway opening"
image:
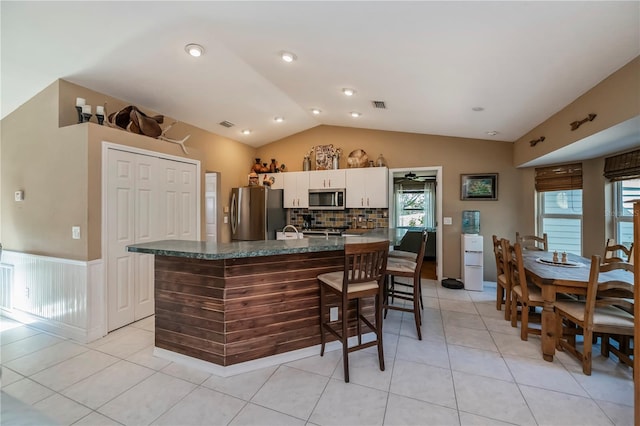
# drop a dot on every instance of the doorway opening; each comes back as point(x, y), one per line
point(416, 203)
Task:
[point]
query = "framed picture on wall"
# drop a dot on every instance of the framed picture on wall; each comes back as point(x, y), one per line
point(479, 187)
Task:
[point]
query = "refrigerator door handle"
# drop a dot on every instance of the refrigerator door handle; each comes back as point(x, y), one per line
point(234, 215)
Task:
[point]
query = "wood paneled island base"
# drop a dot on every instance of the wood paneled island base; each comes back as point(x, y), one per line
point(230, 311)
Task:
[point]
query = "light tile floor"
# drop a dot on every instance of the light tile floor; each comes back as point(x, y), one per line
point(470, 369)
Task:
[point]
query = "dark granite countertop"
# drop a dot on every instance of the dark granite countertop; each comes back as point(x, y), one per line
point(239, 249)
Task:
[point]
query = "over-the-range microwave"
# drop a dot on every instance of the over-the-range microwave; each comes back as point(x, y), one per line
point(326, 199)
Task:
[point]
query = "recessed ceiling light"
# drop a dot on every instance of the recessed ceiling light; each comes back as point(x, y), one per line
point(355, 114)
point(348, 92)
point(246, 132)
point(194, 50)
point(278, 119)
point(477, 109)
point(492, 133)
point(315, 111)
point(288, 56)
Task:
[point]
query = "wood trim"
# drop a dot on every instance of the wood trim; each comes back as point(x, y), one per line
point(237, 310)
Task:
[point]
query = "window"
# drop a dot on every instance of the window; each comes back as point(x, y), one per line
point(415, 205)
point(624, 192)
point(560, 206)
point(561, 219)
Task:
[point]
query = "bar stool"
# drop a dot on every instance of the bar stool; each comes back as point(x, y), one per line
point(362, 277)
point(399, 267)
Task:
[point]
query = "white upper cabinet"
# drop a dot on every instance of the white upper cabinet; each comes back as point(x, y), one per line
point(327, 179)
point(296, 189)
point(278, 179)
point(367, 188)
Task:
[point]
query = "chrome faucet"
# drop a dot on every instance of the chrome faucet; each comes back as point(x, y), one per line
point(294, 228)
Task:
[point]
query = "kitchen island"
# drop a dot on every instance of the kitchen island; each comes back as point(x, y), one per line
point(238, 302)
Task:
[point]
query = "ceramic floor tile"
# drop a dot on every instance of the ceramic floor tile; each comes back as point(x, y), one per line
point(462, 336)
point(243, 386)
point(511, 344)
point(479, 362)
point(157, 394)
point(488, 309)
point(28, 391)
point(190, 374)
point(14, 412)
point(16, 331)
point(556, 408)
point(462, 319)
point(495, 399)
point(423, 351)
point(487, 294)
point(451, 294)
point(468, 419)
point(27, 345)
point(389, 346)
point(45, 358)
point(324, 365)
point(406, 411)
point(423, 382)
point(202, 406)
point(126, 344)
point(605, 387)
point(62, 410)
point(620, 415)
point(364, 369)
point(96, 390)
point(349, 404)
point(9, 376)
point(96, 419)
point(543, 374)
point(73, 369)
point(148, 323)
point(430, 302)
point(455, 305)
point(500, 325)
point(291, 391)
point(146, 358)
point(253, 414)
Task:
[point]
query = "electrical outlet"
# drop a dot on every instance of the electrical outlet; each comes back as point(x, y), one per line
point(333, 313)
point(26, 292)
point(226, 219)
point(75, 232)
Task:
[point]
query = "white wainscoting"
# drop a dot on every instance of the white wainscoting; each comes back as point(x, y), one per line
point(62, 296)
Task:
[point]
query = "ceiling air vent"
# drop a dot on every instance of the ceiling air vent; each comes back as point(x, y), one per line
point(226, 124)
point(379, 104)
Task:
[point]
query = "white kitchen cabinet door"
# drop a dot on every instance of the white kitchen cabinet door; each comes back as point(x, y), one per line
point(296, 190)
point(278, 179)
point(367, 188)
point(327, 179)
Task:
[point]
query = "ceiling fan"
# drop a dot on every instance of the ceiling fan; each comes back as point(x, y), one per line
point(412, 177)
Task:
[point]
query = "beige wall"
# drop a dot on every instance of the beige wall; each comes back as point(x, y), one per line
point(455, 155)
point(57, 162)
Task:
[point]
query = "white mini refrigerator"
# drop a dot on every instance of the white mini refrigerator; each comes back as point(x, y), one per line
point(472, 261)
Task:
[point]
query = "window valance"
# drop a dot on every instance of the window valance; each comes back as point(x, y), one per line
point(559, 178)
point(623, 166)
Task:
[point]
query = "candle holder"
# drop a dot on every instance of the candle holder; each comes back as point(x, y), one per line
point(79, 109)
point(86, 117)
point(100, 118)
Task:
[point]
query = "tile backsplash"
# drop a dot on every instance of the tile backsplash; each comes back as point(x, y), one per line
point(352, 218)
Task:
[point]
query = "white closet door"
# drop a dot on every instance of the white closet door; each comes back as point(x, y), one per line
point(179, 215)
point(146, 230)
point(120, 226)
point(211, 206)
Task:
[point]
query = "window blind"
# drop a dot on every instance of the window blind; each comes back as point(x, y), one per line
point(559, 178)
point(623, 166)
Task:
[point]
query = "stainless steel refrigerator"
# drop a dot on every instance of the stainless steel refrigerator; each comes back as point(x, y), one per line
point(256, 213)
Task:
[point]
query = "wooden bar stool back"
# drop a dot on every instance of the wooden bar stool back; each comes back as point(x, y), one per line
point(533, 242)
point(412, 292)
point(503, 286)
point(607, 310)
point(612, 252)
point(362, 277)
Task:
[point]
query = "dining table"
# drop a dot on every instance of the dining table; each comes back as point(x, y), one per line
point(555, 276)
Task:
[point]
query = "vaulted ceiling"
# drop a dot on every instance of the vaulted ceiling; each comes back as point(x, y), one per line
point(431, 63)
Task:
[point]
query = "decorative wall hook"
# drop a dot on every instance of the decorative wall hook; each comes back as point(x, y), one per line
point(536, 141)
point(576, 124)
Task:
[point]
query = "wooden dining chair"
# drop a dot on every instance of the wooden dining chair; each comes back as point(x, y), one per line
point(612, 252)
point(412, 292)
point(607, 310)
point(522, 294)
point(503, 287)
point(533, 242)
point(362, 277)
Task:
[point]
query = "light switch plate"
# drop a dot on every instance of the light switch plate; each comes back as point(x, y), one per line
point(226, 219)
point(447, 220)
point(75, 232)
point(19, 195)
